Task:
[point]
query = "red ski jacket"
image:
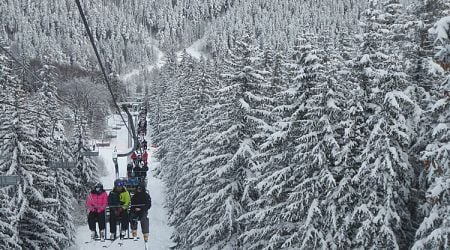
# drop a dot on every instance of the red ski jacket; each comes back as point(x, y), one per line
point(145, 156)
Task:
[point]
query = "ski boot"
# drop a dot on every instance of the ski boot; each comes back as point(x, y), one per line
point(122, 234)
point(146, 237)
point(94, 235)
point(102, 235)
point(134, 234)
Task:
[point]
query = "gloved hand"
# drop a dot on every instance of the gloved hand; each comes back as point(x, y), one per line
point(118, 211)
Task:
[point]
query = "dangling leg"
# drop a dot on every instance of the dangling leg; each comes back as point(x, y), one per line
point(102, 225)
point(124, 222)
point(112, 223)
point(91, 223)
point(144, 225)
point(133, 223)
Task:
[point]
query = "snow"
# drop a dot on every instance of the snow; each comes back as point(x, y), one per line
point(160, 61)
point(440, 29)
point(196, 50)
point(160, 232)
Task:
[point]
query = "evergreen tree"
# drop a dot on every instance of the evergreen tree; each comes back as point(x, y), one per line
point(384, 179)
point(434, 229)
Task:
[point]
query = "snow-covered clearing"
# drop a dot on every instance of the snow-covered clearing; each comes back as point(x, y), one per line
point(196, 50)
point(160, 61)
point(160, 232)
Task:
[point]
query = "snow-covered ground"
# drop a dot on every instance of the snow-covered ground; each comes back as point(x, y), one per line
point(160, 61)
point(196, 50)
point(160, 232)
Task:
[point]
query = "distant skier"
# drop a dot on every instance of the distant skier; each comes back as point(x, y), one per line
point(130, 170)
point(145, 157)
point(144, 145)
point(140, 171)
point(140, 204)
point(96, 204)
point(134, 157)
point(119, 202)
point(144, 171)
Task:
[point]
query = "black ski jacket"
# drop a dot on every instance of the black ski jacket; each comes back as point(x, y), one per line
point(141, 200)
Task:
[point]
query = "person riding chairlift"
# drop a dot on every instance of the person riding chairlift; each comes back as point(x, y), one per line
point(96, 204)
point(145, 157)
point(140, 204)
point(119, 202)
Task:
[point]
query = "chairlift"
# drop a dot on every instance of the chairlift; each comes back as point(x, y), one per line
point(8, 180)
point(116, 127)
point(111, 134)
point(62, 164)
point(103, 142)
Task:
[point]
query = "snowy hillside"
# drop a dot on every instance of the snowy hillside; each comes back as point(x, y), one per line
point(278, 124)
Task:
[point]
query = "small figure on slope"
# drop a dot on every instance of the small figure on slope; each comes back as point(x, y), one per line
point(96, 204)
point(144, 145)
point(119, 202)
point(140, 204)
point(134, 158)
point(130, 170)
point(145, 157)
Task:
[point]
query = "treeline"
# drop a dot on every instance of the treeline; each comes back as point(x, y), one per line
point(51, 30)
point(49, 112)
point(331, 145)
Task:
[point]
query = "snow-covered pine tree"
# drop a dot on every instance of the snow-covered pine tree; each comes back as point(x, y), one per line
point(86, 172)
point(263, 225)
point(200, 100)
point(177, 142)
point(25, 155)
point(434, 230)
point(228, 164)
point(12, 200)
point(315, 153)
point(384, 178)
point(57, 146)
point(341, 201)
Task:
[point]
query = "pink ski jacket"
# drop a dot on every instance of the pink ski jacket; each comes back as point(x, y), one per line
point(97, 202)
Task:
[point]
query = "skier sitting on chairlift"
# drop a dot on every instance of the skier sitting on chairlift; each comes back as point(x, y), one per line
point(144, 145)
point(134, 158)
point(140, 170)
point(130, 170)
point(96, 204)
point(140, 204)
point(145, 157)
point(119, 202)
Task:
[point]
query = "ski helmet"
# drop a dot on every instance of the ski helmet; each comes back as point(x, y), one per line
point(119, 183)
point(98, 186)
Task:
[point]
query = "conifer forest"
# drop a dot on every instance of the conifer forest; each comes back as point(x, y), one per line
point(279, 124)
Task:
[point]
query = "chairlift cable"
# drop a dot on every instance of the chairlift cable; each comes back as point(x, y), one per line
point(91, 38)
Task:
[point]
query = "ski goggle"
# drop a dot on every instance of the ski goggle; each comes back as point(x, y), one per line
point(98, 189)
point(119, 184)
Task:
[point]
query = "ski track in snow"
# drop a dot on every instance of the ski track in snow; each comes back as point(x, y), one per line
point(160, 232)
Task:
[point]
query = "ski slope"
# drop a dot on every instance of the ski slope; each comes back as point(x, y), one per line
point(160, 232)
